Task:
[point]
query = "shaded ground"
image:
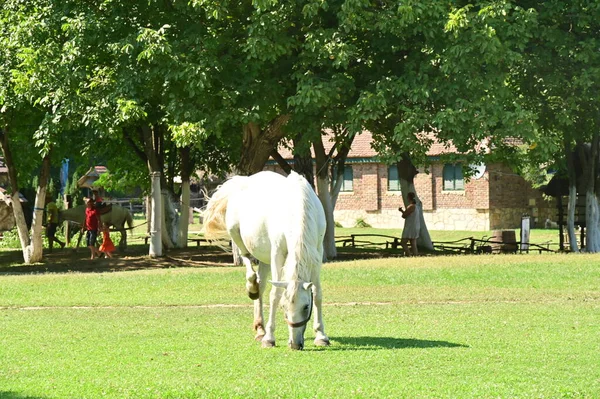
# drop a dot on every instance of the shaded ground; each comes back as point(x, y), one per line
point(136, 258)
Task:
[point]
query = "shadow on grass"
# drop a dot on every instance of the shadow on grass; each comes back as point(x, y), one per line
point(14, 395)
point(377, 343)
point(135, 257)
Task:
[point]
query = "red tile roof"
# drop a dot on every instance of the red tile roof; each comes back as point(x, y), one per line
point(361, 147)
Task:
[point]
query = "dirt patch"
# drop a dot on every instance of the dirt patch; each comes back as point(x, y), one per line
point(136, 258)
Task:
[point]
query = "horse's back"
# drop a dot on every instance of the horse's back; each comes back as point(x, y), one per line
point(272, 210)
point(251, 210)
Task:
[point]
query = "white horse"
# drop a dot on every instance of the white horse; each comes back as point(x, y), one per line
point(280, 222)
point(116, 217)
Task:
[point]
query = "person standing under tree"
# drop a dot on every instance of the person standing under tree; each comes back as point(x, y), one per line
point(92, 221)
point(412, 225)
point(52, 223)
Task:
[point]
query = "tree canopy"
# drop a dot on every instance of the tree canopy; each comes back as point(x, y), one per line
point(173, 86)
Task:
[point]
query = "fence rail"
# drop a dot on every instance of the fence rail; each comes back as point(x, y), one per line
point(138, 205)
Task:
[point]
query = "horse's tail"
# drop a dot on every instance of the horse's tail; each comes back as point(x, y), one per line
point(213, 217)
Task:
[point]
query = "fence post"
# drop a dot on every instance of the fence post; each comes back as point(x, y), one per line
point(525, 233)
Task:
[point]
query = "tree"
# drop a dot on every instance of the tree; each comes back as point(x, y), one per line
point(558, 79)
point(437, 71)
point(33, 105)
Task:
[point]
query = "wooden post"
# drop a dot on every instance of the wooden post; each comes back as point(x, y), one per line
point(561, 222)
point(67, 203)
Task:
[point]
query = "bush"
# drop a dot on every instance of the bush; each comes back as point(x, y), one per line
point(360, 222)
point(10, 239)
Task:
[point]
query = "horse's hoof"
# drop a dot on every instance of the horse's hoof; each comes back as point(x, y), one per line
point(322, 342)
point(259, 337)
point(253, 295)
point(268, 344)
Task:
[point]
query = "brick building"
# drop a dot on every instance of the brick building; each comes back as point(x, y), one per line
point(496, 198)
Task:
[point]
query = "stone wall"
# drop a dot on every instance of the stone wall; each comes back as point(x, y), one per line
point(445, 219)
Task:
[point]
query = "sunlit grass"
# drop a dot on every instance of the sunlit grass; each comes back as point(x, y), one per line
point(494, 326)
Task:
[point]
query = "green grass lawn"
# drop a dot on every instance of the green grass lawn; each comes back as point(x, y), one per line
point(488, 326)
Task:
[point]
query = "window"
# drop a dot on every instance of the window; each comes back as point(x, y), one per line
point(393, 179)
point(453, 177)
point(347, 183)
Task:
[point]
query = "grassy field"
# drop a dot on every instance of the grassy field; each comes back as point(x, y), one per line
point(487, 326)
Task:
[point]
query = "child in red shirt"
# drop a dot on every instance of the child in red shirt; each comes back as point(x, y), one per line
point(107, 246)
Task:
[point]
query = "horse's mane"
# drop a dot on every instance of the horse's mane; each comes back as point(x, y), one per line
point(304, 229)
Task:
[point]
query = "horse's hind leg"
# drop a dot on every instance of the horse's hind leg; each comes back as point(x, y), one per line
point(252, 286)
point(242, 251)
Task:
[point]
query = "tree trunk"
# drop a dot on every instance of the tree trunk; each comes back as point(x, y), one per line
point(407, 171)
point(303, 161)
point(257, 146)
point(184, 216)
point(572, 204)
point(258, 143)
point(329, 248)
point(592, 221)
point(574, 246)
point(37, 243)
point(155, 217)
point(169, 220)
point(324, 194)
point(330, 172)
point(153, 140)
point(592, 208)
point(14, 195)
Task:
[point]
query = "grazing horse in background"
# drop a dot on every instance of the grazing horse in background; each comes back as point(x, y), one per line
point(280, 222)
point(117, 218)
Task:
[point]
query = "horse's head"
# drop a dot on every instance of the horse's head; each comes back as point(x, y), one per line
point(297, 303)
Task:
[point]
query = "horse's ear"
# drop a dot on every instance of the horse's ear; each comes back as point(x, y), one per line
point(307, 286)
point(280, 284)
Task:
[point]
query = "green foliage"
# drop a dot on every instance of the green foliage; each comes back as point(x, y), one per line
point(84, 81)
point(10, 239)
point(558, 79)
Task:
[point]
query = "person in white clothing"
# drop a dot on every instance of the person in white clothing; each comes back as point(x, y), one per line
point(412, 225)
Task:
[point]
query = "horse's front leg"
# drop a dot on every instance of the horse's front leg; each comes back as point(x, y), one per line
point(277, 260)
point(320, 338)
point(259, 326)
point(268, 340)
